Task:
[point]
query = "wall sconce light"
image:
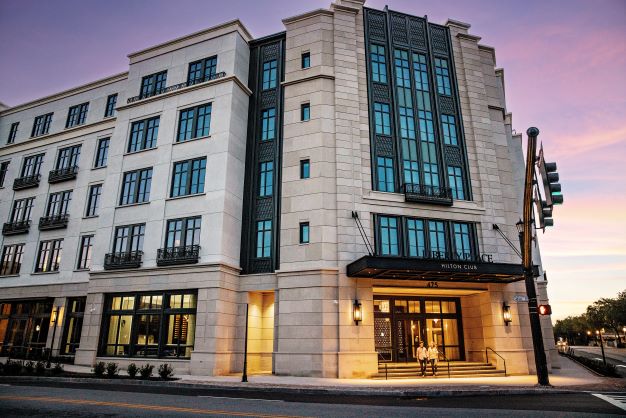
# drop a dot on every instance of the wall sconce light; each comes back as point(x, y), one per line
point(506, 314)
point(357, 312)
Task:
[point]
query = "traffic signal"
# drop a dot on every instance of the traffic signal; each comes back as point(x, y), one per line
point(544, 309)
point(550, 179)
point(544, 212)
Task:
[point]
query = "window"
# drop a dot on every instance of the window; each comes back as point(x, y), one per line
point(437, 239)
point(13, 132)
point(4, 167)
point(129, 238)
point(381, 119)
point(385, 175)
point(149, 325)
point(153, 84)
point(304, 232)
point(266, 178)
point(188, 177)
point(75, 312)
point(11, 259)
point(462, 241)
point(379, 67)
point(455, 177)
point(268, 124)
point(269, 75)
point(49, 256)
point(68, 157)
point(77, 115)
point(102, 152)
point(93, 200)
point(264, 239)
point(84, 255)
point(22, 209)
point(109, 110)
point(32, 165)
point(194, 122)
point(406, 114)
point(143, 134)
point(388, 227)
point(442, 75)
point(416, 243)
point(183, 232)
point(306, 60)
point(202, 70)
point(449, 130)
point(41, 125)
point(136, 186)
point(59, 203)
point(305, 111)
point(305, 169)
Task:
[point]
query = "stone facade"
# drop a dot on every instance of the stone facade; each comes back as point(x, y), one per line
point(300, 315)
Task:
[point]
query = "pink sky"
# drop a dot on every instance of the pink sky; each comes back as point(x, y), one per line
point(565, 72)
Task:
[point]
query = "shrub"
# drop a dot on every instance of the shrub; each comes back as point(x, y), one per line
point(166, 371)
point(146, 371)
point(132, 370)
point(40, 367)
point(29, 366)
point(58, 368)
point(112, 369)
point(12, 367)
point(99, 368)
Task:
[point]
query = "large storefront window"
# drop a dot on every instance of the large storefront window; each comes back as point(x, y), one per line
point(75, 311)
point(24, 328)
point(401, 323)
point(149, 325)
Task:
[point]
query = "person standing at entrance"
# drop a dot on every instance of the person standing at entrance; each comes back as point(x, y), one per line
point(422, 357)
point(433, 357)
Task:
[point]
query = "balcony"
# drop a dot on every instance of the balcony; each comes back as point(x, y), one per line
point(15, 228)
point(26, 182)
point(125, 260)
point(62, 174)
point(178, 255)
point(427, 194)
point(53, 222)
point(176, 87)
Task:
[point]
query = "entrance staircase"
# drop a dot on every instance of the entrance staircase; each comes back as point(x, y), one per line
point(457, 369)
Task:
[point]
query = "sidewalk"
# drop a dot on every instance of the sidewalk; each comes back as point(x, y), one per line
point(571, 377)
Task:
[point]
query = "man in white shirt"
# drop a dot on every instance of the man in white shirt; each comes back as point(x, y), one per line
point(422, 357)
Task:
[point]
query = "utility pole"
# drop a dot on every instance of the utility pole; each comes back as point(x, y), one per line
point(527, 260)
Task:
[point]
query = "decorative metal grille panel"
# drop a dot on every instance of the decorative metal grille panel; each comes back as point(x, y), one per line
point(268, 99)
point(380, 93)
point(262, 266)
point(270, 52)
point(266, 151)
point(446, 105)
point(453, 156)
point(382, 332)
point(398, 29)
point(417, 33)
point(384, 146)
point(438, 39)
point(377, 26)
point(264, 208)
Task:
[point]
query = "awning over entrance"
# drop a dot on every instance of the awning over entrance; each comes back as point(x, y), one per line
point(404, 268)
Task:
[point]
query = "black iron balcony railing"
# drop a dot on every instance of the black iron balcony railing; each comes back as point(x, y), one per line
point(26, 182)
point(187, 254)
point(176, 87)
point(63, 174)
point(125, 260)
point(427, 194)
point(16, 227)
point(53, 222)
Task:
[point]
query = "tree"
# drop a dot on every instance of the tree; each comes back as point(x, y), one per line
point(608, 313)
point(573, 329)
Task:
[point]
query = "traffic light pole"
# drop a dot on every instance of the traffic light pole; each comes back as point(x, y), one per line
point(527, 260)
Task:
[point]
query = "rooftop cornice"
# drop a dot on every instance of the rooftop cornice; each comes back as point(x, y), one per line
point(307, 15)
point(66, 93)
point(458, 24)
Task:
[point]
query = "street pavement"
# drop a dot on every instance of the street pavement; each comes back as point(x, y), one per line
point(20, 400)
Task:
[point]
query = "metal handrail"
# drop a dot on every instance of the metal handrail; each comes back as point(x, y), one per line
point(176, 87)
point(496, 353)
point(448, 361)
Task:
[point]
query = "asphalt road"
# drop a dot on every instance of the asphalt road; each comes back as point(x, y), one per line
point(86, 400)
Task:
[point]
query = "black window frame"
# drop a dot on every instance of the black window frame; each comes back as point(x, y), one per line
point(37, 163)
point(85, 252)
point(272, 74)
point(134, 239)
point(68, 157)
point(188, 225)
point(305, 227)
point(305, 169)
point(205, 63)
point(305, 60)
point(93, 200)
point(194, 132)
point(4, 168)
point(109, 109)
point(144, 143)
point(41, 125)
point(376, 64)
point(190, 173)
point(153, 84)
point(12, 266)
point(263, 230)
point(268, 120)
point(305, 112)
point(139, 186)
point(77, 115)
point(61, 206)
point(75, 312)
point(102, 152)
point(266, 179)
point(13, 132)
point(49, 265)
point(24, 211)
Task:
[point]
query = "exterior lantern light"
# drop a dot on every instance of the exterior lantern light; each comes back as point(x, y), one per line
point(520, 226)
point(357, 312)
point(506, 314)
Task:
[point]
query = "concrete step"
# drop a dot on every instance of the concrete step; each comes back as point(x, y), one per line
point(498, 373)
point(457, 369)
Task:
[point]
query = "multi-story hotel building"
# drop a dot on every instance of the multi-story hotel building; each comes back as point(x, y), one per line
point(340, 180)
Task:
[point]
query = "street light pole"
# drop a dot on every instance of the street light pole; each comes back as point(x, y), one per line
point(527, 262)
point(599, 332)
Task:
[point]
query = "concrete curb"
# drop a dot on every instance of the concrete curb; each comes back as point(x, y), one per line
point(401, 392)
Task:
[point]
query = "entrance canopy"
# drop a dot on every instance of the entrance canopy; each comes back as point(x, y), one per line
point(405, 268)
